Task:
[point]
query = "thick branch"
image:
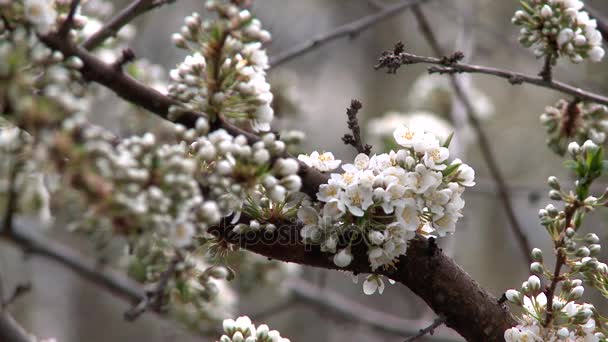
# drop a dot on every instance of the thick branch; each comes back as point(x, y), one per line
point(449, 65)
point(351, 29)
point(484, 142)
point(124, 17)
point(429, 273)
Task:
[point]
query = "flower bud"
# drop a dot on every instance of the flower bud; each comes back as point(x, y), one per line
point(553, 182)
point(277, 193)
point(602, 268)
point(285, 166)
point(592, 238)
point(536, 268)
point(534, 283)
point(537, 255)
point(343, 258)
point(576, 293)
point(594, 249)
point(555, 195)
point(570, 232)
point(590, 147)
point(514, 296)
point(582, 252)
point(574, 149)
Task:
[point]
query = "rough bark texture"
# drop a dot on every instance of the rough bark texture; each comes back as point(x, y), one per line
point(437, 279)
point(449, 291)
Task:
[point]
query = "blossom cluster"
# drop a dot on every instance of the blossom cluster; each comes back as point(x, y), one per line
point(566, 122)
point(136, 185)
point(242, 329)
point(243, 176)
point(559, 28)
point(386, 199)
point(195, 294)
point(572, 321)
point(226, 71)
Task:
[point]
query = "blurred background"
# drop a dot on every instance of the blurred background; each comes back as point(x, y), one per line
point(313, 93)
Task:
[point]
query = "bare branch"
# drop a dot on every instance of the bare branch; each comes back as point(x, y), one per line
point(67, 25)
point(446, 65)
point(10, 330)
point(349, 310)
point(353, 124)
point(124, 17)
point(483, 140)
point(428, 330)
point(351, 30)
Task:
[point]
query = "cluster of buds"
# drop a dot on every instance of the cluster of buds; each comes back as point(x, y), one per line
point(576, 121)
point(566, 318)
point(240, 176)
point(559, 28)
point(226, 71)
point(242, 329)
point(137, 185)
point(385, 200)
point(194, 293)
point(571, 321)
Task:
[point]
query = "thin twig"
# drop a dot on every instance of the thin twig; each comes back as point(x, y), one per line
point(484, 142)
point(351, 29)
point(428, 330)
point(154, 298)
point(12, 199)
point(10, 330)
point(353, 124)
point(67, 25)
point(19, 291)
point(392, 62)
point(547, 71)
point(124, 17)
point(344, 308)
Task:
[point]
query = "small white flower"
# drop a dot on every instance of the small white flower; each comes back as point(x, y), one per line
point(357, 198)
point(408, 136)
point(343, 258)
point(372, 284)
point(322, 162)
point(181, 236)
point(407, 215)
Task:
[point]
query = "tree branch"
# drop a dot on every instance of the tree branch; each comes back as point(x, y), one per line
point(429, 273)
point(428, 330)
point(484, 142)
point(353, 124)
point(351, 29)
point(10, 330)
point(450, 65)
point(124, 17)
